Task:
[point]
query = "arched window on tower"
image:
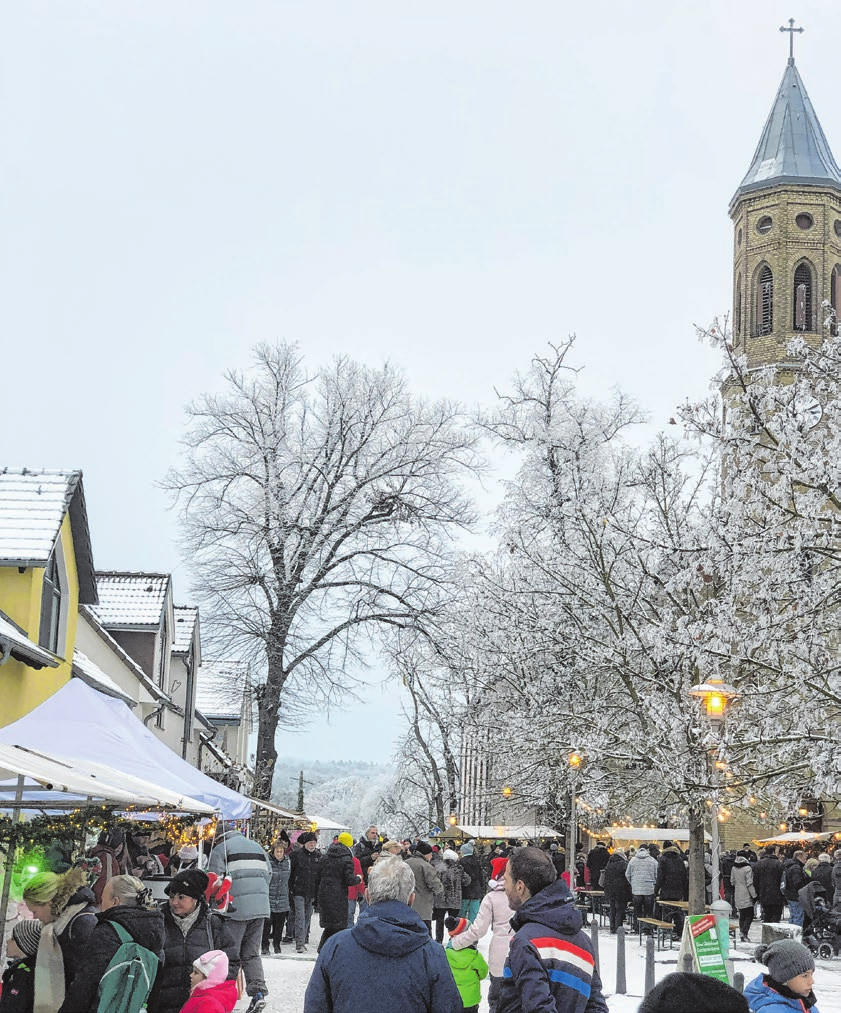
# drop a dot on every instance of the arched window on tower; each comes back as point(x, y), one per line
point(765, 301)
point(803, 298)
point(737, 323)
point(835, 299)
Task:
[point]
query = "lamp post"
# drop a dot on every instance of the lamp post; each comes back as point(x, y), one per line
point(574, 760)
point(716, 696)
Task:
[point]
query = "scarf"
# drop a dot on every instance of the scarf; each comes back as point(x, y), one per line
point(49, 967)
point(185, 923)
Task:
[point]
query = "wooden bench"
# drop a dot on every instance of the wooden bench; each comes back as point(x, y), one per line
point(662, 929)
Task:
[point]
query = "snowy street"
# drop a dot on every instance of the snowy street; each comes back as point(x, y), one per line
point(287, 975)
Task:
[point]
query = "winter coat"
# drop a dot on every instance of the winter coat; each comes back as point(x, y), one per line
point(494, 914)
point(550, 964)
point(357, 892)
point(642, 874)
point(744, 893)
point(303, 876)
point(469, 969)
point(364, 851)
point(144, 927)
point(18, 993)
point(111, 867)
point(796, 878)
point(615, 882)
point(672, 877)
point(453, 877)
point(823, 875)
point(219, 998)
point(596, 861)
point(559, 860)
point(428, 887)
point(767, 874)
point(836, 883)
point(248, 866)
point(210, 931)
point(387, 961)
point(474, 888)
point(763, 997)
point(73, 939)
point(334, 877)
point(279, 885)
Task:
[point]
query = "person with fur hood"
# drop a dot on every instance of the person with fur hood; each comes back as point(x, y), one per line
point(211, 991)
point(453, 877)
point(494, 916)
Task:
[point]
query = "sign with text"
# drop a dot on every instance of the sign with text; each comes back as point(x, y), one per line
point(706, 947)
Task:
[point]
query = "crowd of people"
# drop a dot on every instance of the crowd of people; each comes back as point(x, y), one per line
point(415, 910)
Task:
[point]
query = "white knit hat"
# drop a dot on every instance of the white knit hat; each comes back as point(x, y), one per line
point(450, 856)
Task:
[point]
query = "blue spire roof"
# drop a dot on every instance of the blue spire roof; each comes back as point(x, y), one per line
point(793, 148)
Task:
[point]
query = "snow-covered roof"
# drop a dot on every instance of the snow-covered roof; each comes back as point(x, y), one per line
point(89, 672)
point(130, 600)
point(220, 688)
point(88, 614)
point(21, 647)
point(186, 617)
point(32, 507)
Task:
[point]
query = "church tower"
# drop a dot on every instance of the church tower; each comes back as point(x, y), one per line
point(786, 231)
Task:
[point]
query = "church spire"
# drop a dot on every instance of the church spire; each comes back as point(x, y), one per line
point(792, 148)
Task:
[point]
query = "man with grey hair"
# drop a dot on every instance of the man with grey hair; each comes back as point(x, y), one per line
point(387, 960)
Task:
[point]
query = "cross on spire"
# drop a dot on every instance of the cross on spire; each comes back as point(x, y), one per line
point(791, 30)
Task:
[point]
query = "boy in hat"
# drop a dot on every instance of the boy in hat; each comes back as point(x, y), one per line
point(468, 966)
point(19, 978)
point(788, 983)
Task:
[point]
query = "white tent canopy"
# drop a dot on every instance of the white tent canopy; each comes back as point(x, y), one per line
point(325, 823)
point(55, 782)
point(649, 834)
point(529, 832)
point(793, 836)
point(81, 723)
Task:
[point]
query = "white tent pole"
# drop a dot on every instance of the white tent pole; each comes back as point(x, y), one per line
point(11, 854)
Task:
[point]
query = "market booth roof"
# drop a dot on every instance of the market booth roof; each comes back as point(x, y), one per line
point(55, 782)
point(91, 728)
point(793, 836)
point(529, 832)
point(649, 834)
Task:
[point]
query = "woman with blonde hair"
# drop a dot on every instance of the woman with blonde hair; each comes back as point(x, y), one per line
point(64, 904)
point(127, 903)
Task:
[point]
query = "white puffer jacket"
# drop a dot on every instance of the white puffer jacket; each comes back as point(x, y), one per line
point(494, 914)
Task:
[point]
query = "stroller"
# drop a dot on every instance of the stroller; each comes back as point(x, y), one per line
point(822, 928)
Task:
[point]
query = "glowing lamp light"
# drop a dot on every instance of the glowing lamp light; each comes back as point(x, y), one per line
point(803, 811)
point(715, 695)
point(452, 819)
point(575, 759)
point(31, 869)
point(783, 826)
point(507, 791)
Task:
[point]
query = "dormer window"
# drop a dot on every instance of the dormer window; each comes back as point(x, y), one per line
point(53, 604)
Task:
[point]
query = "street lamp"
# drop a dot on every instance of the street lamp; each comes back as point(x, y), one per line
point(574, 759)
point(716, 695)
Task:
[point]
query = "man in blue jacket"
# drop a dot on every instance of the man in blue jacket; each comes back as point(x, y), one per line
point(550, 966)
point(387, 960)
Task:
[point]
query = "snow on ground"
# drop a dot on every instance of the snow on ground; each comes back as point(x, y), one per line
point(287, 975)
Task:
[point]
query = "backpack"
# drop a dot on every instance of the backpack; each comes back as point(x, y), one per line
point(128, 978)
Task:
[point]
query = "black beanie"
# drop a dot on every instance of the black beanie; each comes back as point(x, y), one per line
point(190, 883)
point(696, 992)
point(423, 848)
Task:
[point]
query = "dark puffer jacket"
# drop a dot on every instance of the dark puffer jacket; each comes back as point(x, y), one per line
point(144, 927)
point(279, 886)
point(73, 939)
point(334, 878)
point(672, 877)
point(304, 874)
point(209, 932)
point(823, 874)
point(615, 883)
point(475, 889)
point(767, 874)
point(796, 878)
point(550, 963)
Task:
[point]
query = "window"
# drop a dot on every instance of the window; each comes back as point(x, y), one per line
point(50, 634)
point(803, 298)
point(835, 298)
point(738, 321)
point(804, 221)
point(763, 226)
point(765, 301)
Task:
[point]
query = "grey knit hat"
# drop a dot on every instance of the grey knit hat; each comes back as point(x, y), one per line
point(785, 959)
point(27, 934)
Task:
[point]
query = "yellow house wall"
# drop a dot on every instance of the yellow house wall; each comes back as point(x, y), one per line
point(23, 688)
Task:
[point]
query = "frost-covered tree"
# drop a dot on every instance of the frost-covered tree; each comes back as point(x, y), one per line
point(317, 510)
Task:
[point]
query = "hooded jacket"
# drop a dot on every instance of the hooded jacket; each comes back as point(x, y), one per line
point(469, 968)
point(494, 914)
point(596, 861)
point(615, 883)
point(741, 877)
point(823, 875)
point(248, 866)
point(796, 878)
point(763, 997)
point(73, 939)
point(144, 927)
point(642, 873)
point(475, 889)
point(767, 875)
point(303, 878)
point(279, 885)
point(334, 877)
point(18, 992)
point(219, 998)
point(672, 877)
point(386, 961)
point(550, 964)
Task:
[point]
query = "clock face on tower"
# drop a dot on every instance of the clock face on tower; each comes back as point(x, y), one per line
point(806, 410)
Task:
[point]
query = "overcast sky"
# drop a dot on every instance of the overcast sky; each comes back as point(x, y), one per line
point(448, 185)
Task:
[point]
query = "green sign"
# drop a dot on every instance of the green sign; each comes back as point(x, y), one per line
point(706, 947)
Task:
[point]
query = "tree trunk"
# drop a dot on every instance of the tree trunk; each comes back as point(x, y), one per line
point(697, 884)
point(268, 713)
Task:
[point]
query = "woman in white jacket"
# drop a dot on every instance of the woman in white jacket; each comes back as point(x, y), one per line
point(494, 915)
